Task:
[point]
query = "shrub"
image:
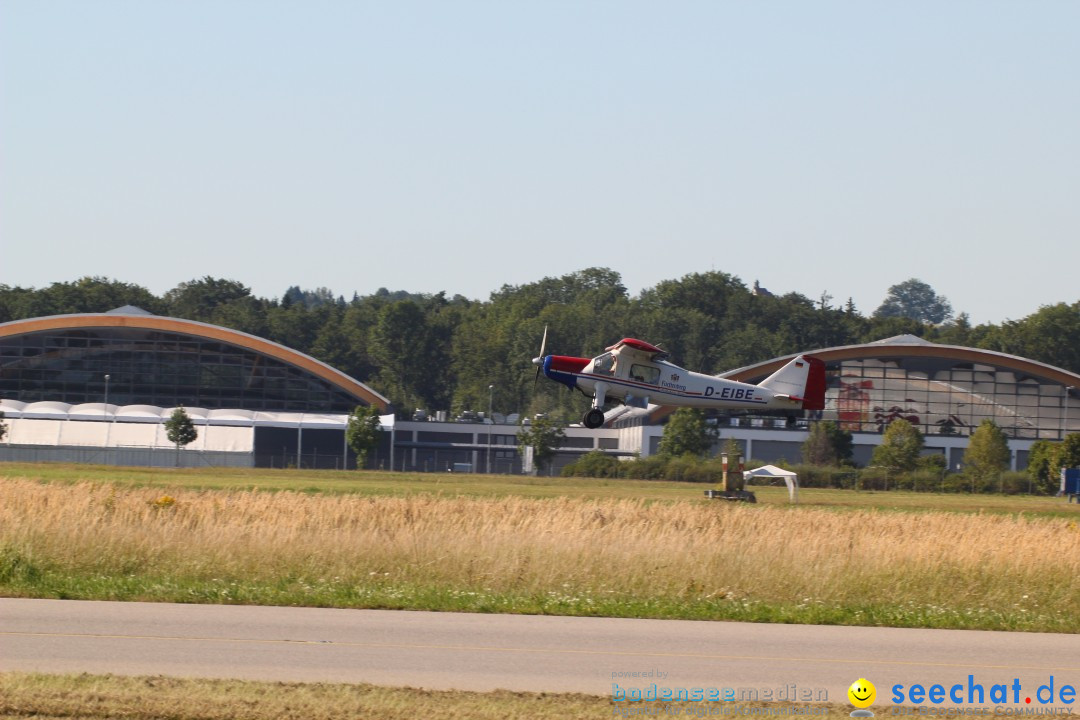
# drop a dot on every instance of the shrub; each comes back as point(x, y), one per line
point(597, 464)
point(968, 482)
point(932, 463)
point(1015, 483)
point(649, 468)
point(925, 480)
point(691, 469)
point(685, 468)
point(817, 476)
point(875, 478)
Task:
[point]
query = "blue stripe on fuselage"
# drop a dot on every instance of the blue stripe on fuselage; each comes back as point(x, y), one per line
point(567, 379)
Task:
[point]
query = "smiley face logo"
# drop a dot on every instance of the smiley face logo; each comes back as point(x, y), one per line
point(862, 693)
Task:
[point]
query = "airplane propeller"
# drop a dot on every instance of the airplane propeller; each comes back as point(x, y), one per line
point(539, 361)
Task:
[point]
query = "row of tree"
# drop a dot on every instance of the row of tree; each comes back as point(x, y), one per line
point(986, 458)
point(685, 453)
point(438, 352)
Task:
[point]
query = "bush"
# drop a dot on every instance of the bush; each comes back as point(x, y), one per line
point(1015, 483)
point(968, 482)
point(927, 480)
point(824, 476)
point(932, 463)
point(956, 482)
point(875, 478)
point(595, 464)
point(691, 469)
point(686, 468)
point(650, 468)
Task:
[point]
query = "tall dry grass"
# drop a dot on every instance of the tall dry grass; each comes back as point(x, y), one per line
point(586, 551)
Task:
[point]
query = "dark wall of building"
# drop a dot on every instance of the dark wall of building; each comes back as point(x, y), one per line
point(277, 447)
point(149, 367)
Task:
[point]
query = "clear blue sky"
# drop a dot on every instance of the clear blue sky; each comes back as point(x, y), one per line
point(459, 146)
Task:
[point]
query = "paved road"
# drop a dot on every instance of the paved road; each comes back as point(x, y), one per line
point(484, 652)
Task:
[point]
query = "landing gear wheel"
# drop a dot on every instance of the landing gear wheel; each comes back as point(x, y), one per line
point(593, 418)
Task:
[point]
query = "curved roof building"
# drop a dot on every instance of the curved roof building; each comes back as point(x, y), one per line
point(130, 357)
point(943, 389)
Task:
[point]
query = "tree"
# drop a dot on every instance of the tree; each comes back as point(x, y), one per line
point(94, 294)
point(198, 299)
point(1044, 464)
point(916, 300)
point(935, 463)
point(3, 426)
point(987, 454)
point(1051, 335)
point(900, 447)
point(362, 432)
point(1069, 456)
point(543, 435)
point(827, 444)
point(180, 430)
point(687, 433)
point(399, 344)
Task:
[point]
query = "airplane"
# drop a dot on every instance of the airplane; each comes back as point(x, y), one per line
point(637, 373)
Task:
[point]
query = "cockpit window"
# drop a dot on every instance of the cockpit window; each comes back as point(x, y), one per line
point(645, 373)
point(604, 364)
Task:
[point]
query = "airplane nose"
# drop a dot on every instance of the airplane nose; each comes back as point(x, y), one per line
point(538, 360)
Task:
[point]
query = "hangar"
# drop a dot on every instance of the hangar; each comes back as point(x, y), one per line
point(96, 387)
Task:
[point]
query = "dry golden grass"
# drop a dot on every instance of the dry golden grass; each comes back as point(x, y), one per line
point(96, 697)
point(580, 555)
point(147, 698)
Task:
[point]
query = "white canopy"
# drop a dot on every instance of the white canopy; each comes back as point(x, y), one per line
point(768, 471)
point(790, 479)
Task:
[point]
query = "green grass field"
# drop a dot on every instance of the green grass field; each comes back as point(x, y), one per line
point(468, 485)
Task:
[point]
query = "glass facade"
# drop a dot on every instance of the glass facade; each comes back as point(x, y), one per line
point(941, 396)
point(158, 368)
point(945, 397)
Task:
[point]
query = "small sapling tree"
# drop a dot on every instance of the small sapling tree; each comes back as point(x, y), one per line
point(362, 433)
point(180, 430)
point(543, 435)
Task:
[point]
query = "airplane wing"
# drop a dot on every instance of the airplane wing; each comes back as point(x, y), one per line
point(639, 348)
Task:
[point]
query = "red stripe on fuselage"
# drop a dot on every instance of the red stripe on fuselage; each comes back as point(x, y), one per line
point(567, 364)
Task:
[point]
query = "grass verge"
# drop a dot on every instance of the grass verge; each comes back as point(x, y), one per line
point(94, 697)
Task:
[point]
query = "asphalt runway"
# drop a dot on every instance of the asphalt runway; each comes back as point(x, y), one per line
point(522, 652)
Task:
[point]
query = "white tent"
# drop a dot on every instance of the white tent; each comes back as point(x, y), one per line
point(771, 471)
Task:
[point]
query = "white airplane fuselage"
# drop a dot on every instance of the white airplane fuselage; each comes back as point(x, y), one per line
point(637, 373)
point(681, 387)
point(668, 384)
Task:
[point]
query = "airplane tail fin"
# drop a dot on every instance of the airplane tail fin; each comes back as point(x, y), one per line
point(801, 380)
